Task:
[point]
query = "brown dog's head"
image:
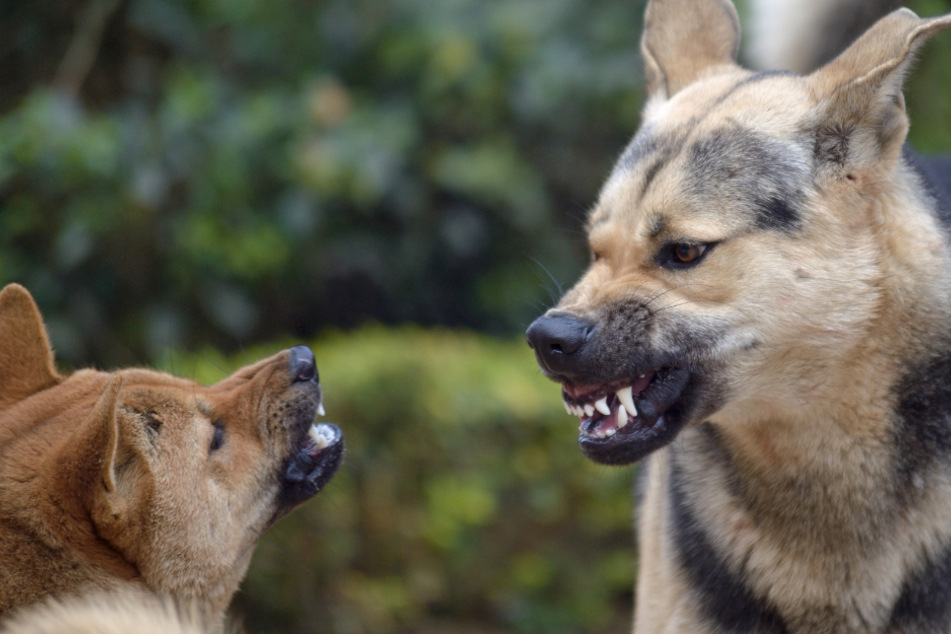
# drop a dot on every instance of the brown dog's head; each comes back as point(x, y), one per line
point(143, 476)
point(747, 239)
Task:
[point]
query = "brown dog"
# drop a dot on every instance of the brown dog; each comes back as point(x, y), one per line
point(136, 479)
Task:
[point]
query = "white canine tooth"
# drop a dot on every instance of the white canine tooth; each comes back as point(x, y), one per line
point(602, 406)
point(567, 407)
point(588, 410)
point(610, 433)
point(621, 418)
point(320, 410)
point(320, 437)
point(627, 400)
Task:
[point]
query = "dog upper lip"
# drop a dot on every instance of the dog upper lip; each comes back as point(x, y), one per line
point(581, 392)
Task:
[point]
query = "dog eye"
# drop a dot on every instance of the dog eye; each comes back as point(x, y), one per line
point(218, 438)
point(681, 255)
point(686, 253)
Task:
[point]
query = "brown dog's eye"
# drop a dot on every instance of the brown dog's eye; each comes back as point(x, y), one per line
point(218, 438)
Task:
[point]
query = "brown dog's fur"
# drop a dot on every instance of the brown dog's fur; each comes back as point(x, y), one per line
point(136, 479)
point(771, 290)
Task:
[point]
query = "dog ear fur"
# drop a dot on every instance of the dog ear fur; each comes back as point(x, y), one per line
point(100, 435)
point(26, 358)
point(685, 38)
point(860, 118)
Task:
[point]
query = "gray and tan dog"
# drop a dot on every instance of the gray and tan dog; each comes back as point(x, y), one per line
point(767, 315)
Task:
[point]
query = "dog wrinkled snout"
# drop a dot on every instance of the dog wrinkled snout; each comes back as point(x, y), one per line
point(302, 364)
point(555, 339)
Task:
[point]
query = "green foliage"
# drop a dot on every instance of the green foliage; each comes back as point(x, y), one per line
point(232, 171)
point(463, 505)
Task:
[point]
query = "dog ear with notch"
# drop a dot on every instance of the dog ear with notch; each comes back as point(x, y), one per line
point(26, 358)
point(860, 119)
point(683, 39)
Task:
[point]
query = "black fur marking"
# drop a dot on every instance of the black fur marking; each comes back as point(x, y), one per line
point(776, 212)
point(723, 597)
point(666, 147)
point(922, 440)
point(654, 170)
point(735, 163)
point(832, 144)
point(643, 145)
point(925, 601)
point(922, 434)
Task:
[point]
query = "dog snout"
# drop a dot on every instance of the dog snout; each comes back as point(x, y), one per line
point(557, 339)
point(302, 364)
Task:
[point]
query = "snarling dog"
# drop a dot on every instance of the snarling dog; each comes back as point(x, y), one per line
point(767, 319)
point(137, 480)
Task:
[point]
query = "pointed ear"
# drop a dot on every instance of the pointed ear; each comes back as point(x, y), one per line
point(860, 119)
point(26, 358)
point(683, 39)
point(103, 422)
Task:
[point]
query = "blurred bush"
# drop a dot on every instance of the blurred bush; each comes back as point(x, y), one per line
point(463, 505)
point(175, 173)
point(225, 172)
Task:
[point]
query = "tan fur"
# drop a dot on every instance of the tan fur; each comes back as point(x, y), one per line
point(108, 480)
point(817, 322)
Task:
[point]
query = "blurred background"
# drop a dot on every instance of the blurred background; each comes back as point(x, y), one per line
point(194, 184)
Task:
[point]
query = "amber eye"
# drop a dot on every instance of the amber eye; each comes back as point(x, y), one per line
point(686, 253)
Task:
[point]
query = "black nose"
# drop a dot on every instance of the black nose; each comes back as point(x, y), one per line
point(555, 338)
point(302, 364)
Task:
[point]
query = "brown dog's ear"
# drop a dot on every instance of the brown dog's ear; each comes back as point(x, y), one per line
point(104, 420)
point(99, 443)
point(860, 118)
point(26, 358)
point(683, 39)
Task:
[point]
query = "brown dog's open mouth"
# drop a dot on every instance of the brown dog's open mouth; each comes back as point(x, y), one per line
point(624, 420)
point(314, 461)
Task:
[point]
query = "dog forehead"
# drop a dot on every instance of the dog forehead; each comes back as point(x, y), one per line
point(743, 166)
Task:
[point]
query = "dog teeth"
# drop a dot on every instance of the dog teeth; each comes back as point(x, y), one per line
point(322, 435)
point(320, 410)
point(589, 410)
point(627, 400)
point(621, 417)
point(602, 406)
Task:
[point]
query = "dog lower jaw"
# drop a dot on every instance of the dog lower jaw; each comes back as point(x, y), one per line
point(315, 459)
point(623, 421)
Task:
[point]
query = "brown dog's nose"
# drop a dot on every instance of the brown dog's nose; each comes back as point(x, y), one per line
point(555, 338)
point(302, 364)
